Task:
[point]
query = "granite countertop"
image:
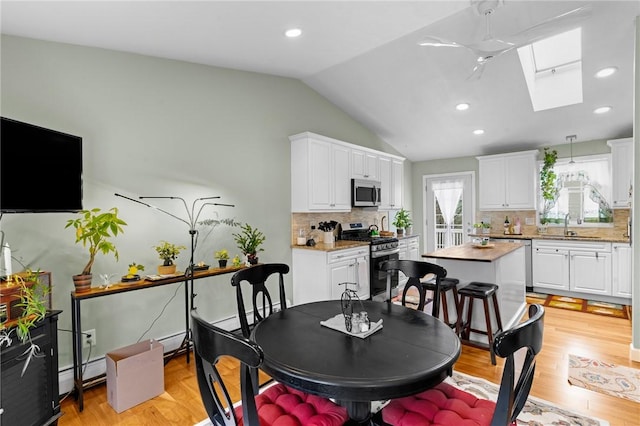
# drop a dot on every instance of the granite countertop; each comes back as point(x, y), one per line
point(338, 245)
point(607, 239)
point(473, 252)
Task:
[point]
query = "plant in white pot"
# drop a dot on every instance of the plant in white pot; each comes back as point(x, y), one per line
point(94, 229)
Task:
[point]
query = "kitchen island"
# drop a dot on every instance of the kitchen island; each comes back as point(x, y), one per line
point(497, 263)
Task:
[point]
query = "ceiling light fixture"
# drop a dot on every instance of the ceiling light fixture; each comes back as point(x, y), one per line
point(293, 32)
point(462, 107)
point(570, 139)
point(602, 110)
point(478, 132)
point(606, 72)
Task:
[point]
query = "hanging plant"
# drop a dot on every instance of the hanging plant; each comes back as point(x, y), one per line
point(548, 186)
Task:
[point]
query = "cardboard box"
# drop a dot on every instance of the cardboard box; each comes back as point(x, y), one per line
point(135, 374)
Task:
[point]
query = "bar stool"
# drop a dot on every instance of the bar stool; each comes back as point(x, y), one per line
point(446, 284)
point(483, 291)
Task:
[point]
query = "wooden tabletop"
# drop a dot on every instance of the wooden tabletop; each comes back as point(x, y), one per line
point(473, 252)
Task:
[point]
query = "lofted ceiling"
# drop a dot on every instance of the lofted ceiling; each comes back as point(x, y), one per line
point(364, 57)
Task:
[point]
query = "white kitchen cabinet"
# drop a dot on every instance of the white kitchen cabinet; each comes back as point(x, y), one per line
point(622, 171)
point(622, 272)
point(391, 182)
point(317, 274)
point(320, 174)
point(364, 164)
point(408, 250)
point(508, 181)
point(573, 266)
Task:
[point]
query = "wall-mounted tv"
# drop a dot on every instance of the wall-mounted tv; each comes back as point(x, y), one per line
point(40, 169)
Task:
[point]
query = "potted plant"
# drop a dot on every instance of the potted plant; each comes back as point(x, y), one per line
point(222, 256)
point(168, 252)
point(401, 221)
point(33, 304)
point(132, 272)
point(548, 187)
point(95, 228)
point(236, 261)
point(249, 240)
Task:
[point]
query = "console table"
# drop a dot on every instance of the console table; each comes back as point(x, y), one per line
point(80, 384)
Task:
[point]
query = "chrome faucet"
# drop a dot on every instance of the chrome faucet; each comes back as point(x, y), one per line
point(568, 233)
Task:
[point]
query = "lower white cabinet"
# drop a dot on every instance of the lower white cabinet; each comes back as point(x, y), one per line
point(622, 274)
point(317, 274)
point(574, 266)
point(408, 250)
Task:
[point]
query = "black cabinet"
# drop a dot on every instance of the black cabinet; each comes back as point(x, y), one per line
point(31, 399)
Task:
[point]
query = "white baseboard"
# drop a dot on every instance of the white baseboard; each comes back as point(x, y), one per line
point(98, 366)
point(634, 353)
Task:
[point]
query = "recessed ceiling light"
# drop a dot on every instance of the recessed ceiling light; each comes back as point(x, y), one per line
point(462, 107)
point(606, 72)
point(478, 132)
point(602, 110)
point(293, 32)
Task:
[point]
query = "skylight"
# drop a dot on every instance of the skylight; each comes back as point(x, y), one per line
point(552, 68)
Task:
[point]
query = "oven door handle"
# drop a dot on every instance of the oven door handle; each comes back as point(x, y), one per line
point(377, 254)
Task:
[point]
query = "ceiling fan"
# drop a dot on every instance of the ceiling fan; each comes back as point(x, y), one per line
point(491, 47)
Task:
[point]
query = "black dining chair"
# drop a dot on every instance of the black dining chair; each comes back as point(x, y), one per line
point(416, 270)
point(275, 404)
point(262, 303)
point(519, 346)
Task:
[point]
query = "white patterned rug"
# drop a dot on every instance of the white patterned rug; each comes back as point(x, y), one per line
point(606, 378)
point(536, 412)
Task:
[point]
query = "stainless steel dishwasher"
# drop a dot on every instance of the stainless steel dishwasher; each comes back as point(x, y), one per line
point(528, 259)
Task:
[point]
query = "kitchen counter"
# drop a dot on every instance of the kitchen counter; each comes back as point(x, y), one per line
point(503, 264)
point(471, 252)
point(338, 245)
point(551, 236)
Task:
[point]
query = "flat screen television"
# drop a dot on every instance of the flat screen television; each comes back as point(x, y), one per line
point(40, 169)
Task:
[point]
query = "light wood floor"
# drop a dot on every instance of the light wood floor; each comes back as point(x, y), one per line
point(565, 333)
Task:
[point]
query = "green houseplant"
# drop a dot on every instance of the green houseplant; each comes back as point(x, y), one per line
point(401, 221)
point(94, 229)
point(548, 187)
point(168, 252)
point(222, 256)
point(249, 240)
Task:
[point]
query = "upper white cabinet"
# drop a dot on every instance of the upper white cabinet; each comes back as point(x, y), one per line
point(622, 171)
point(320, 174)
point(508, 181)
point(391, 182)
point(364, 164)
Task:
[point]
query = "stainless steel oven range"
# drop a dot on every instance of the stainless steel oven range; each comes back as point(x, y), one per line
point(380, 249)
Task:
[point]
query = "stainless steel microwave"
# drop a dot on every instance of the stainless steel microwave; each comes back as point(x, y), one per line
point(365, 193)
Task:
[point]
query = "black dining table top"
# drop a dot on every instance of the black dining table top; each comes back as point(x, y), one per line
point(412, 352)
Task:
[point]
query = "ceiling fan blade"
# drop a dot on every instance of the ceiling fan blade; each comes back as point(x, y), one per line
point(432, 41)
point(551, 26)
point(478, 69)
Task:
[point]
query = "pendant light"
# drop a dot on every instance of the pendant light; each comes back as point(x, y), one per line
point(570, 139)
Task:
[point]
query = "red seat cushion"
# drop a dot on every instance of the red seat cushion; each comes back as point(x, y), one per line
point(280, 405)
point(443, 405)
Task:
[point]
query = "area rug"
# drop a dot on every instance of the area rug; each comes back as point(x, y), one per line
point(535, 412)
point(606, 378)
point(581, 305)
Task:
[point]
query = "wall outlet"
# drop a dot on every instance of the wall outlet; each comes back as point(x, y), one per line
point(528, 221)
point(89, 338)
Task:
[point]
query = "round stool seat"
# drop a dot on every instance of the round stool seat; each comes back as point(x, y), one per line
point(478, 290)
point(446, 284)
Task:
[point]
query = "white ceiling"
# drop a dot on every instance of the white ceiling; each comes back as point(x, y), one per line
point(364, 57)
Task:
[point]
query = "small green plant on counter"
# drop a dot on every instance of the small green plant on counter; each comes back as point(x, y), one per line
point(402, 219)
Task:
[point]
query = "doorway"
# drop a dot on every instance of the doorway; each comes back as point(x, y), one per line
point(449, 208)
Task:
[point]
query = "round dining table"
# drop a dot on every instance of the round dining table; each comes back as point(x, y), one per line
point(412, 352)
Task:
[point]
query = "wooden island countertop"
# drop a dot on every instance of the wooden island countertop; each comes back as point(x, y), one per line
point(470, 251)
